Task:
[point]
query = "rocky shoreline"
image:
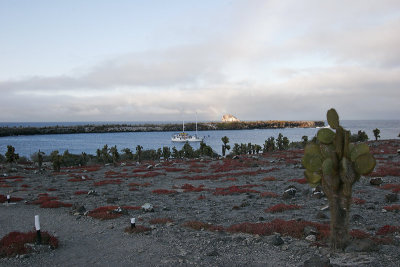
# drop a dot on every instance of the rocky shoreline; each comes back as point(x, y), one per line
point(254, 210)
point(115, 128)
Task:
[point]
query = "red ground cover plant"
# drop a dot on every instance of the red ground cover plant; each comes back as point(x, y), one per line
point(282, 207)
point(173, 169)
point(395, 208)
point(150, 174)
point(161, 221)
point(53, 204)
point(388, 229)
point(4, 185)
point(104, 213)
point(268, 179)
point(235, 189)
point(300, 181)
point(388, 169)
point(25, 186)
point(52, 189)
point(192, 188)
point(42, 198)
point(81, 192)
point(268, 194)
point(131, 207)
point(164, 192)
point(201, 197)
point(230, 180)
point(106, 182)
point(14, 243)
point(358, 201)
point(196, 225)
point(394, 187)
point(291, 228)
point(139, 184)
point(137, 230)
point(359, 234)
point(3, 199)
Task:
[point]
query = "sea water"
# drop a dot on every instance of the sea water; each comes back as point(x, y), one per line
point(90, 142)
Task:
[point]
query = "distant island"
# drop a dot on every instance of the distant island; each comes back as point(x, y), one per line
point(168, 127)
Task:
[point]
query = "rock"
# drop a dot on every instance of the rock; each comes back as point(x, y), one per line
point(149, 167)
point(147, 207)
point(376, 181)
point(229, 118)
point(120, 210)
point(357, 217)
point(392, 197)
point(289, 193)
point(92, 192)
point(276, 240)
point(321, 215)
point(235, 157)
point(325, 208)
point(309, 230)
point(79, 209)
point(311, 238)
point(213, 253)
point(317, 261)
point(112, 200)
point(361, 245)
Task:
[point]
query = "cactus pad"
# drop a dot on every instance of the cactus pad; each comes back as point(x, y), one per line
point(365, 164)
point(333, 118)
point(359, 150)
point(312, 162)
point(326, 136)
point(312, 178)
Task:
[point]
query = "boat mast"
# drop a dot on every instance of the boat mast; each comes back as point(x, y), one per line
point(196, 124)
point(183, 125)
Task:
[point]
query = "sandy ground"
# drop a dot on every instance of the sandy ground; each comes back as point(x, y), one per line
point(87, 241)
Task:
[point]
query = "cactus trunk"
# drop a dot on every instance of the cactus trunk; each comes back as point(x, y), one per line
point(340, 212)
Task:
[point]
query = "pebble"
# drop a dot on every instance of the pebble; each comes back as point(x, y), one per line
point(311, 238)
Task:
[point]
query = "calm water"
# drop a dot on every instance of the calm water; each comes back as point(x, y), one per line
point(89, 143)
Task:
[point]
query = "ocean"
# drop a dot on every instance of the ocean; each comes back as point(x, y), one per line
point(89, 143)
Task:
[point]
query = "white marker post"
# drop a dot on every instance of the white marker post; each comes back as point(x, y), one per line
point(8, 199)
point(37, 226)
point(133, 223)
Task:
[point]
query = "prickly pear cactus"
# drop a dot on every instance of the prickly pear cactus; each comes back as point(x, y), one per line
point(336, 164)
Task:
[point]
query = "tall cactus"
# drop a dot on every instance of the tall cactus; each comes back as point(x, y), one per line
point(337, 164)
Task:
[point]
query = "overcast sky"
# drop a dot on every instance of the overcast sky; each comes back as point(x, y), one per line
point(97, 60)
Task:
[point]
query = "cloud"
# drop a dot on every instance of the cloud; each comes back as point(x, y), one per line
point(275, 60)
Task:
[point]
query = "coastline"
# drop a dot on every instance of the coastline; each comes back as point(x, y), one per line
point(159, 127)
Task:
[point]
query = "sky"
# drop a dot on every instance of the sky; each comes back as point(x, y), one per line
point(131, 60)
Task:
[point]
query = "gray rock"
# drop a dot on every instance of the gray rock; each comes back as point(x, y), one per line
point(357, 217)
point(112, 200)
point(392, 197)
point(213, 253)
point(321, 215)
point(311, 238)
point(309, 230)
point(147, 207)
point(317, 261)
point(361, 245)
point(376, 181)
point(276, 240)
point(289, 193)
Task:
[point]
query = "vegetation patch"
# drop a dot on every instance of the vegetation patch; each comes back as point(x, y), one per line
point(161, 221)
point(235, 189)
point(137, 230)
point(53, 204)
point(14, 243)
point(164, 192)
point(3, 199)
point(105, 213)
point(300, 181)
point(282, 207)
point(395, 208)
point(107, 182)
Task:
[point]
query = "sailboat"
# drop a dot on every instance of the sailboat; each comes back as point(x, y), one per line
point(185, 137)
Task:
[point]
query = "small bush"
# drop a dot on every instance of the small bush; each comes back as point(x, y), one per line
point(53, 204)
point(395, 208)
point(388, 229)
point(358, 201)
